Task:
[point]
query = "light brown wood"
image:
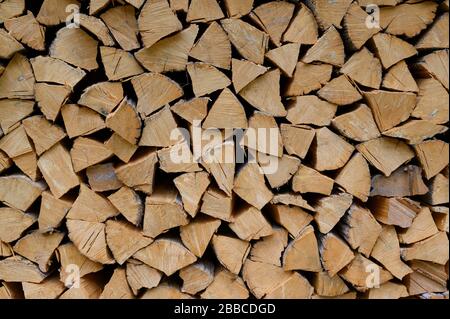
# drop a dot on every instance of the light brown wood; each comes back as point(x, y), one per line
point(433, 156)
point(204, 11)
point(308, 180)
point(98, 28)
point(156, 21)
point(340, 91)
point(197, 277)
point(122, 23)
point(125, 113)
point(11, 8)
point(303, 27)
point(155, 91)
point(52, 211)
point(405, 181)
point(360, 229)
point(163, 212)
point(206, 79)
point(355, 26)
point(56, 167)
point(213, 47)
point(248, 41)
point(328, 49)
point(81, 121)
point(387, 252)
point(49, 69)
point(90, 240)
point(386, 44)
point(308, 78)
point(66, 47)
point(51, 98)
point(226, 112)
point(153, 255)
point(235, 149)
point(119, 64)
point(264, 93)
point(293, 219)
point(273, 17)
point(328, 14)
point(407, 19)
point(374, 151)
point(117, 232)
point(139, 276)
point(271, 282)
point(18, 191)
point(231, 252)
point(27, 30)
point(309, 109)
point(357, 272)
point(198, 233)
point(102, 97)
point(117, 287)
point(53, 12)
point(335, 253)
point(121, 148)
point(244, 72)
point(355, 177)
point(329, 210)
point(326, 286)
point(269, 250)
point(12, 112)
point(226, 286)
point(358, 125)
point(169, 54)
point(434, 249)
point(192, 186)
point(330, 151)
point(18, 68)
point(438, 191)
point(303, 252)
point(39, 248)
point(14, 223)
point(394, 211)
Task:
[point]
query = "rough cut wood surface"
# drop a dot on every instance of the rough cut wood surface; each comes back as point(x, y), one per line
point(343, 119)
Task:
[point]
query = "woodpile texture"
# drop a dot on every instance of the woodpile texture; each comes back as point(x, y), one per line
point(94, 206)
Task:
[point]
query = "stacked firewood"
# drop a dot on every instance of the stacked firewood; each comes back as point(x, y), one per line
point(349, 200)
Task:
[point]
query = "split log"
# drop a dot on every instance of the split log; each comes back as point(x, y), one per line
point(52, 211)
point(198, 233)
point(394, 211)
point(117, 287)
point(75, 47)
point(360, 229)
point(226, 286)
point(387, 252)
point(56, 167)
point(434, 249)
point(335, 253)
point(197, 277)
point(18, 191)
point(293, 219)
point(39, 248)
point(405, 181)
point(269, 250)
point(13, 223)
point(308, 78)
point(329, 210)
point(139, 276)
point(129, 204)
point(231, 252)
point(116, 232)
point(303, 252)
point(163, 212)
point(358, 125)
point(154, 256)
